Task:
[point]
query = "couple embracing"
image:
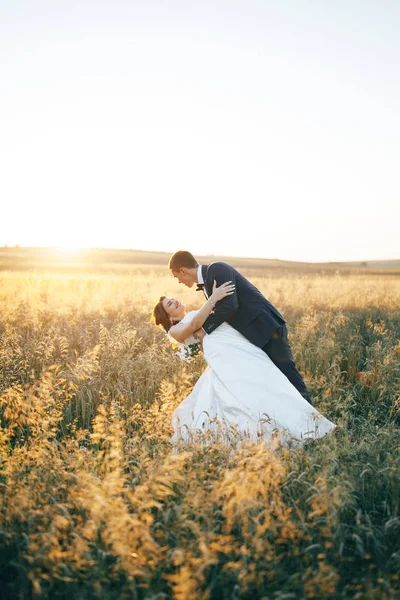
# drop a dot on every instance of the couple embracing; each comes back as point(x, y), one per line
point(251, 385)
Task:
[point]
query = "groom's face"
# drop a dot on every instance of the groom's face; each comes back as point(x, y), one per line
point(184, 276)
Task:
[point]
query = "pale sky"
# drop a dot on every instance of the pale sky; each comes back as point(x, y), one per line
point(263, 128)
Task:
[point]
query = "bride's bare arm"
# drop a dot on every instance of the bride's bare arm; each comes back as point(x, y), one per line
point(182, 331)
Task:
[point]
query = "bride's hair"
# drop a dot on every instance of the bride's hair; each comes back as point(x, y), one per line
point(160, 316)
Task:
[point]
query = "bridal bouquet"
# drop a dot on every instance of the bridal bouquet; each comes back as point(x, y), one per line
point(189, 352)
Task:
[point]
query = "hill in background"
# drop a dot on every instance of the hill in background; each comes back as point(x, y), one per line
point(122, 261)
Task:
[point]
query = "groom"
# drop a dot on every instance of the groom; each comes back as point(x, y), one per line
point(246, 310)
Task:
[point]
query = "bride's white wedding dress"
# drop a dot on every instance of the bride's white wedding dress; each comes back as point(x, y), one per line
point(242, 390)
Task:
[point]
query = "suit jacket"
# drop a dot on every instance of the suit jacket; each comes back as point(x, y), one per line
point(247, 310)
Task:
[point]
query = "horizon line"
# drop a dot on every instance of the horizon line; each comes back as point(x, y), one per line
point(67, 248)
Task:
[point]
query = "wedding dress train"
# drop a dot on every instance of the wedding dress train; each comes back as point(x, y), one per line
point(243, 391)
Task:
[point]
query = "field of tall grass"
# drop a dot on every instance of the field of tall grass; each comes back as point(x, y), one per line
point(94, 503)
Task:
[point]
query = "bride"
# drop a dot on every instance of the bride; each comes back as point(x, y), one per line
point(241, 390)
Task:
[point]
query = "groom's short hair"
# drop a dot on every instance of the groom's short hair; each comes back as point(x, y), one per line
point(182, 258)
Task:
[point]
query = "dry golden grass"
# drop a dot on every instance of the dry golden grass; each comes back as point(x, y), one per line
point(95, 504)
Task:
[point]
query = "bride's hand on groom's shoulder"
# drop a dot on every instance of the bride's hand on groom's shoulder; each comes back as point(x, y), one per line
point(225, 289)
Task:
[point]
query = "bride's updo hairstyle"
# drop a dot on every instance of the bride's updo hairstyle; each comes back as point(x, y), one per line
point(182, 258)
point(160, 316)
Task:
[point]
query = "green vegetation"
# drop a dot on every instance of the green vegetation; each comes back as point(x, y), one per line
point(95, 505)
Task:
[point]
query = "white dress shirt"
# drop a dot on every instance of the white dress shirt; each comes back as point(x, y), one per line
point(200, 279)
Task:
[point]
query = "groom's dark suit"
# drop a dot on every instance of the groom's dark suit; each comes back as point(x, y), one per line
point(250, 313)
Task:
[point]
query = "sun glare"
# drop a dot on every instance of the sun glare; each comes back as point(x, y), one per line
point(67, 249)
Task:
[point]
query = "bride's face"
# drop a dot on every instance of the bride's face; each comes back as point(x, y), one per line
point(174, 309)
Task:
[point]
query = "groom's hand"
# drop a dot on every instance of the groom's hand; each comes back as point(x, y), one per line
point(199, 334)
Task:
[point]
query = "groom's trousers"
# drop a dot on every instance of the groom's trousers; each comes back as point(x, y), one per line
point(280, 352)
